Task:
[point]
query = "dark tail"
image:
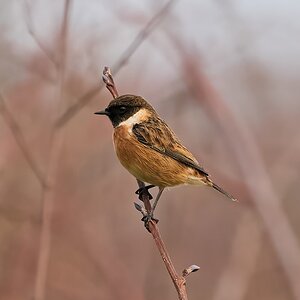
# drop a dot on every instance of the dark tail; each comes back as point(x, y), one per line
point(219, 189)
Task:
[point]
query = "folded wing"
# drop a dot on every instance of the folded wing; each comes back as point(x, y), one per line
point(157, 135)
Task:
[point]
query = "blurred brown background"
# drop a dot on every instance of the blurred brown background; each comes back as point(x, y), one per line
point(224, 74)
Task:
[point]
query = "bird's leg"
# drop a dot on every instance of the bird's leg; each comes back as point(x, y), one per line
point(160, 190)
point(144, 191)
point(147, 218)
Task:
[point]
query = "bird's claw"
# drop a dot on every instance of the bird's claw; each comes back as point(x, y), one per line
point(144, 191)
point(147, 218)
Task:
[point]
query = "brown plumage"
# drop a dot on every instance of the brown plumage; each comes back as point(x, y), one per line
point(149, 149)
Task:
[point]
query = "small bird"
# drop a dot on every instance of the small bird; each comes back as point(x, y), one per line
point(148, 148)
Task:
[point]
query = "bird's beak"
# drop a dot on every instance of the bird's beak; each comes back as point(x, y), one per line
point(102, 112)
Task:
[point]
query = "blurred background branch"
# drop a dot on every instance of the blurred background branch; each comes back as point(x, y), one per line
point(20, 140)
point(124, 58)
point(31, 29)
point(57, 138)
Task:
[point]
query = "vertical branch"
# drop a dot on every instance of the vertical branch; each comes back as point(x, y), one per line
point(178, 281)
point(55, 149)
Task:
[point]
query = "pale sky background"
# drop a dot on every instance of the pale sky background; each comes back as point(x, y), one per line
point(225, 33)
point(271, 28)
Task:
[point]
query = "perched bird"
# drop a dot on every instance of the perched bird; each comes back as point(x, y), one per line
point(148, 148)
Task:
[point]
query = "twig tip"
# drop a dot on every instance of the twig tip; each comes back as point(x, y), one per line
point(193, 268)
point(137, 206)
point(140, 209)
point(109, 82)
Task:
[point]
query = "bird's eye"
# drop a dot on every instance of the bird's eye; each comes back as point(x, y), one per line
point(122, 109)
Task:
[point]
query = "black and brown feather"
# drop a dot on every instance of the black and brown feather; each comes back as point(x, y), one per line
point(149, 149)
point(157, 135)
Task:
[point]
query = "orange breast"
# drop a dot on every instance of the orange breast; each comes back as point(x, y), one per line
point(147, 164)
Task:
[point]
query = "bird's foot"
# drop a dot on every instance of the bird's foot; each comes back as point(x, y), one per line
point(147, 216)
point(147, 219)
point(144, 191)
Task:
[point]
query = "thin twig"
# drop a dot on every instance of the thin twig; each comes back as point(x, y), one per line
point(142, 35)
point(178, 281)
point(109, 82)
point(20, 140)
point(131, 49)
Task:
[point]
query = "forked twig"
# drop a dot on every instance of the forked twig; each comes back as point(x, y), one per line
point(178, 281)
point(129, 51)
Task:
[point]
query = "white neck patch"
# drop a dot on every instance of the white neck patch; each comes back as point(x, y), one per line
point(138, 117)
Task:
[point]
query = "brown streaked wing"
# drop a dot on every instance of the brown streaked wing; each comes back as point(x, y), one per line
point(157, 135)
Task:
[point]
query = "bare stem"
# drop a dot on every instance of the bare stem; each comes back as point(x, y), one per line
point(178, 281)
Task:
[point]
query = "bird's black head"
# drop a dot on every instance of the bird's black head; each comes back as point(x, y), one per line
point(123, 107)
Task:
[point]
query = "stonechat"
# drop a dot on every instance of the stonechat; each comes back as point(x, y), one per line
point(148, 148)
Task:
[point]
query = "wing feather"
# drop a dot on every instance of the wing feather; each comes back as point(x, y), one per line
point(157, 135)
